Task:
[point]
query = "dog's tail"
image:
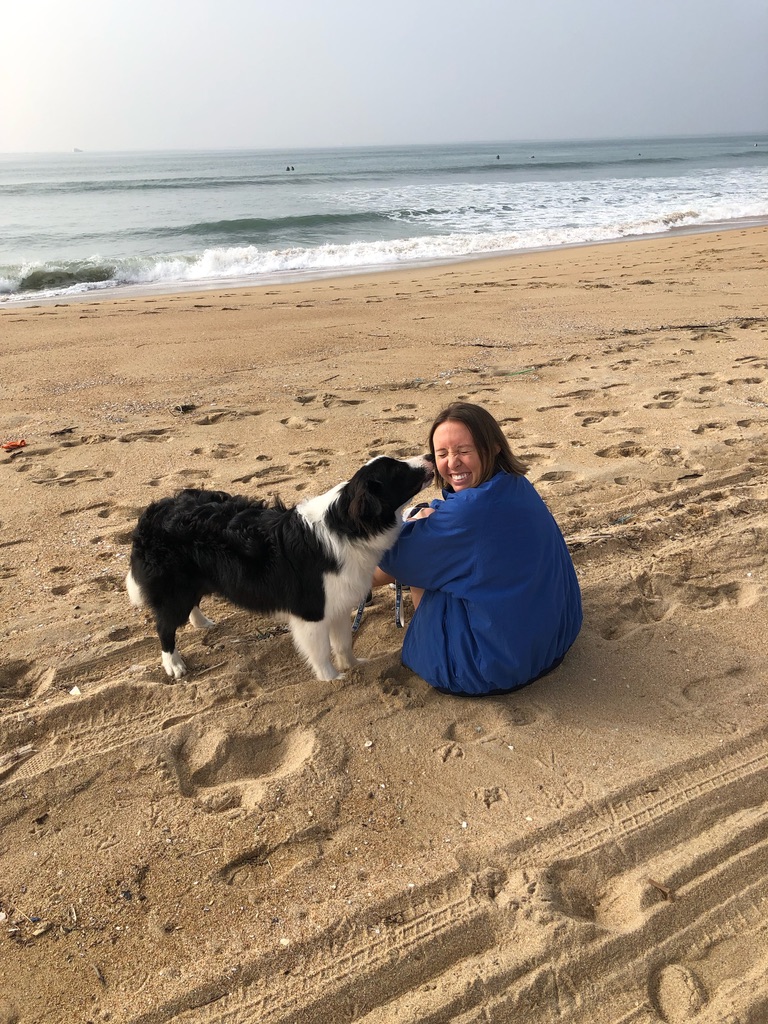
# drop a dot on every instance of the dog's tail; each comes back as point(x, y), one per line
point(135, 593)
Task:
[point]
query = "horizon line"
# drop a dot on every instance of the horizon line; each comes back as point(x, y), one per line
point(77, 151)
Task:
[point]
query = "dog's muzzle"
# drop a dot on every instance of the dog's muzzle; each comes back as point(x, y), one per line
point(427, 464)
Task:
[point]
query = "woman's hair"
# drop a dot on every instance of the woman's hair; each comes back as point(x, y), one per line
point(490, 442)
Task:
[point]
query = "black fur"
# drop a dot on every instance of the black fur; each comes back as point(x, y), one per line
point(208, 542)
point(267, 558)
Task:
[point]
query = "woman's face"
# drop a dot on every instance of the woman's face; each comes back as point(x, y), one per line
point(456, 456)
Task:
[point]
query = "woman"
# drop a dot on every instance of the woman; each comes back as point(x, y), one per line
point(496, 599)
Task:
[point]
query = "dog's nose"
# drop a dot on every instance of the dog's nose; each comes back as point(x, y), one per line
point(430, 458)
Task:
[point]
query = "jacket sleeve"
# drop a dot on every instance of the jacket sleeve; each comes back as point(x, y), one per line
point(434, 552)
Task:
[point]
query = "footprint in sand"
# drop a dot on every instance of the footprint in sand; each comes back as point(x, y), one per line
point(97, 506)
point(161, 434)
point(74, 476)
point(308, 453)
point(591, 418)
point(214, 415)
point(645, 599)
point(225, 767)
point(225, 451)
point(300, 422)
point(530, 457)
point(491, 795)
point(687, 376)
point(106, 510)
point(623, 450)
point(311, 466)
point(758, 362)
point(396, 683)
point(86, 439)
point(268, 475)
point(714, 425)
point(460, 736)
point(677, 993)
point(582, 394)
point(15, 681)
point(556, 476)
point(181, 478)
point(329, 401)
point(730, 594)
point(663, 400)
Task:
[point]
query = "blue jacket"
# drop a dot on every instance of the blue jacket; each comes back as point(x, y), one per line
point(501, 602)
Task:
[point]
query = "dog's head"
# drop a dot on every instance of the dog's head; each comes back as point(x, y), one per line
point(372, 501)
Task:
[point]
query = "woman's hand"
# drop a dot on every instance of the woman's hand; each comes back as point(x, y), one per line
point(422, 513)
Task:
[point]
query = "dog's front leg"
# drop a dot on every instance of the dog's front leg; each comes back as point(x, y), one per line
point(313, 641)
point(341, 642)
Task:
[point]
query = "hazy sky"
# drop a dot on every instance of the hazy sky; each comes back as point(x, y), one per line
point(170, 74)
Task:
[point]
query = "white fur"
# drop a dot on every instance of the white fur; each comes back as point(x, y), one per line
point(198, 620)
point(135, 595)
point(343, 590)
point(318, 642)
point(174, 664)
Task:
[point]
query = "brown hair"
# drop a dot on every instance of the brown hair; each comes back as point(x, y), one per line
point(490, 442)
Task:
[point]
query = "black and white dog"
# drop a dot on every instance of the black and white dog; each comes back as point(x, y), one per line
point(312, 562)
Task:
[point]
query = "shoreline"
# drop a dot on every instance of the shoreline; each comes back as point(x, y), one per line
point(111, 292)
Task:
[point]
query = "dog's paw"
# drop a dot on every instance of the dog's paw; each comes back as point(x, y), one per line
point(174, 665)
point(345, 661)
point(326, 675)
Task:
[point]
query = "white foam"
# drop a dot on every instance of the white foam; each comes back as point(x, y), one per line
point(443, 222)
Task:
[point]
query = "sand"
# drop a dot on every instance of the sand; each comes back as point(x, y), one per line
point(249, 844)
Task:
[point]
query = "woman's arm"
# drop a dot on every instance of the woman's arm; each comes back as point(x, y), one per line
point(381, 578)
point(430, 554)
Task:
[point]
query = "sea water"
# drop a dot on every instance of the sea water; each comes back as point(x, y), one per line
point(79, 223)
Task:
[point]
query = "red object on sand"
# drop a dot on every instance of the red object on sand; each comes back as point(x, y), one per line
point(10, 446)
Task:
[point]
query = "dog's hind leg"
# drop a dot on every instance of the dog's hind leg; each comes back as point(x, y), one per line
point(198, 620)
point(168, 620)
point(312, 640)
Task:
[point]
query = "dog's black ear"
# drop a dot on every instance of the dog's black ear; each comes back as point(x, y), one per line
point(364, 504)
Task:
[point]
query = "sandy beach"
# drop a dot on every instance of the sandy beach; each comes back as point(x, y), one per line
point(250, 844)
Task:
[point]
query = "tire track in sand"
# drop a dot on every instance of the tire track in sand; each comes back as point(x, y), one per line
point(614, 883)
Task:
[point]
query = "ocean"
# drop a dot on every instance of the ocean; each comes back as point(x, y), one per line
point(78, 224)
